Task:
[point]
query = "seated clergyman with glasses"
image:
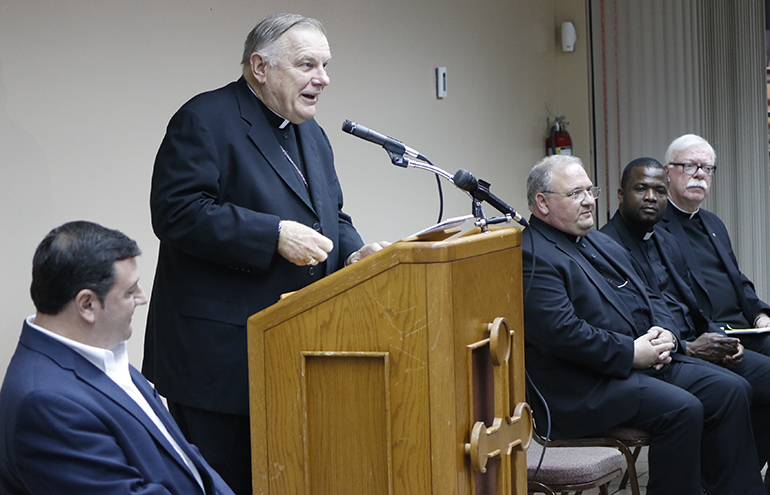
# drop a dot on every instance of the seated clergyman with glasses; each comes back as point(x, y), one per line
point(690, 165)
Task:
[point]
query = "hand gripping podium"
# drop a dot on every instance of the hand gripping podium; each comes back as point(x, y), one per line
point(402, 374)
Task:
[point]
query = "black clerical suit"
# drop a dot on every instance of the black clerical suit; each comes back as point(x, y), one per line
point(580, 333)
point(220, 186)
point(659, 262)
point(707, 260)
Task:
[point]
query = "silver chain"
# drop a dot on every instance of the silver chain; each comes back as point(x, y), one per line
point(295, 165)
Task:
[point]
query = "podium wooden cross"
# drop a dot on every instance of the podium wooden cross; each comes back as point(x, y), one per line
point(402, 374)
point(506, 433)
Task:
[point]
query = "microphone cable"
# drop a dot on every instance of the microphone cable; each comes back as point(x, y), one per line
point(531, 386)
point(440, 194)
point(532, 269)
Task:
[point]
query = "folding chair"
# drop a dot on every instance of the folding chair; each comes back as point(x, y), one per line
point(572, 469)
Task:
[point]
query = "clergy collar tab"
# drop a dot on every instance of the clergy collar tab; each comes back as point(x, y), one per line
point(690, 214)
point(284, 122)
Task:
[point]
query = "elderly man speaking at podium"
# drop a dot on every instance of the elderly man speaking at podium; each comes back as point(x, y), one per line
point(247, 206)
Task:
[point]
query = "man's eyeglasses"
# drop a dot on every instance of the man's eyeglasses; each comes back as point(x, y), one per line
point(692, 168)
point(580, 194)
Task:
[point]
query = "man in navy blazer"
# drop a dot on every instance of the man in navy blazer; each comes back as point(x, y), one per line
point(247, 206)
point(690, 165)
point(75, 417)
point(603, 350)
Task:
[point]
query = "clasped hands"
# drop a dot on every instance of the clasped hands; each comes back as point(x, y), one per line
point(303, 246)
point(653, 349)
point(719, 349)
point(716, 348)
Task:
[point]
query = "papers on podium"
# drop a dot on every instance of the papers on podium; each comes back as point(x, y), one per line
point(440, 231)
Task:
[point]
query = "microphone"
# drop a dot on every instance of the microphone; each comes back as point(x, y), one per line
point(387, 142)
point(479, 189)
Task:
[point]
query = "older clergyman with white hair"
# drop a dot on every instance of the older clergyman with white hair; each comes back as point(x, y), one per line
point(247, 206)
point(725, 295)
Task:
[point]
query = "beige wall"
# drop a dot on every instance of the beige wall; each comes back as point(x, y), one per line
point(87, 88)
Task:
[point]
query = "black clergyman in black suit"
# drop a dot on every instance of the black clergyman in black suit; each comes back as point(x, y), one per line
point(247, 206)
point(659, 261)
point(604, 351)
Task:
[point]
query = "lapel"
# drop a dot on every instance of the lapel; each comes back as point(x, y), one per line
point(721, 248)
point(675, 228)
point(261, 134)
point(151, 395)
point(570, 249)
point(663, 246)
point(632, 246)
point(313, 173)
point(97, 380)
point(710, 222)
point(630, 276)
point(684, 290)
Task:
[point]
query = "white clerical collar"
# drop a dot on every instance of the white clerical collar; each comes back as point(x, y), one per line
point(111, 361)
point(648, 235)
point(285, 121)
point(690, 213)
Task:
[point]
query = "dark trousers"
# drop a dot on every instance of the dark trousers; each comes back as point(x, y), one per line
point(755, 368)
point(223, 439)
point(698, 417)
point(759, 342)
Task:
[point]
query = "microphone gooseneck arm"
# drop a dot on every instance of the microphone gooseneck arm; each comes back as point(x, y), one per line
point(402, 161)
point(479, 190)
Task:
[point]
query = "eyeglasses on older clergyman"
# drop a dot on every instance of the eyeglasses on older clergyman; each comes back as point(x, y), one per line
point(692, 168)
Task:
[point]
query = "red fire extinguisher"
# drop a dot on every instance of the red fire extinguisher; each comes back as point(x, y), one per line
point(559, 142)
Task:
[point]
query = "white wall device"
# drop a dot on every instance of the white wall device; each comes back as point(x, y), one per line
point(440, 82)
point(568, 37)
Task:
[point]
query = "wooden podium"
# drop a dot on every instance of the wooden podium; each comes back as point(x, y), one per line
point(402, 374)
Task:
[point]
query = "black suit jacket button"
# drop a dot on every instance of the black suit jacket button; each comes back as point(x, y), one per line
point(317, 227)
point(311, 271)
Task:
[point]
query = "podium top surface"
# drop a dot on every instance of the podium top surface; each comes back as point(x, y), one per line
point(469, 245)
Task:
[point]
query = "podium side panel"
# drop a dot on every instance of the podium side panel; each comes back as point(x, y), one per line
point(484, 288)
point(518, 379)
point(449, 474)
point(258, 424)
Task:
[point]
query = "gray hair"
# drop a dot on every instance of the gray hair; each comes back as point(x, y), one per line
point(683, 143)
point(539, 179)
point(265, 37)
